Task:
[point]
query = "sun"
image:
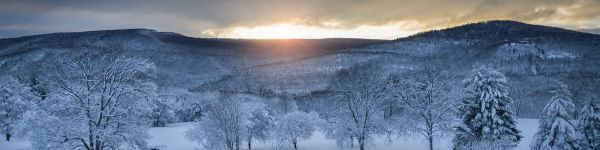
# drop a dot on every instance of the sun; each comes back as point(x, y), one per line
point(279, 31)
point(301, 31)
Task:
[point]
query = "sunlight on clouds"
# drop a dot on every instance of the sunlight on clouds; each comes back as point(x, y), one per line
point(300, 31)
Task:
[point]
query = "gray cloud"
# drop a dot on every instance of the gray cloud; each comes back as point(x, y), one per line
point(191, 17)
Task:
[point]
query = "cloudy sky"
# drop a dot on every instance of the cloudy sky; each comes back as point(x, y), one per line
point(380, 19)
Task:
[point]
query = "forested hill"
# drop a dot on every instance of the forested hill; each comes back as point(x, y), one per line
point(181, 61)
point(504, 30)
point(531, 56)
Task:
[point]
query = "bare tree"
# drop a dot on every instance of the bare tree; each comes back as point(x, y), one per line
point(521, 105)
point(429, 101)
point(98, 101)
point(360, 95)
point(295, 126)
point(221, 127)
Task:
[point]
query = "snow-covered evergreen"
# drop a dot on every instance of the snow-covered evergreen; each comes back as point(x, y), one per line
point(486, 115)
point(15, 99)
point(556, 130)
point(589, 126)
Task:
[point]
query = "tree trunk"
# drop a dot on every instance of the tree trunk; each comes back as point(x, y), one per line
point(430, 123)
point(8, 136)
point(228, 142)
point(361, 143)
point(250, 143)
point(362, 146)
point(98, 145)
point(295, 145)
point(351, 141)
point(237, 143)
point(430, 139)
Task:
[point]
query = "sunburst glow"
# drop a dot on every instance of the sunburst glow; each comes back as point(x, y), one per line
point(299, 31)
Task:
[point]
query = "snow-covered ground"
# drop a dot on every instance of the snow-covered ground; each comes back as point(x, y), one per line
point(172, 137)
point(14, 144)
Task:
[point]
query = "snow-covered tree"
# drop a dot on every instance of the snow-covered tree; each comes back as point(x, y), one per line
point(221, 127)
point(257, 124)
point(589, 126)
point(162, 111)
point(15, 99)
point(188, 106)
point(556, 131)
point(430, 105)
point(95, 102)
point(295, 126)
point(187, 112)
point(356, 111)
point(37, 87)
point(485, 111)
point(231, 119)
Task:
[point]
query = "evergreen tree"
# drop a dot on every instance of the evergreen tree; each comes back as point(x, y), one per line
point(556, 132)
point(486, 113)
point(589, 126)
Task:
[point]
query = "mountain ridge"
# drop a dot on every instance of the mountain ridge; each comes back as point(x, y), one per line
point(488, 23)
point(500, 29)
point(530, 58)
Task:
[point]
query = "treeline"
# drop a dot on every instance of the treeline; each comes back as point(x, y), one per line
point(108, 101)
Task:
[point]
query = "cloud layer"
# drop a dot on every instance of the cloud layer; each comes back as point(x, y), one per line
point(221, 18)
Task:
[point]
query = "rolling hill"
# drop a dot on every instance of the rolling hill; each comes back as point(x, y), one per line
point(532, 57)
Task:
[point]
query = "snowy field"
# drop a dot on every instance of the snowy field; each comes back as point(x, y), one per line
point(172, 138)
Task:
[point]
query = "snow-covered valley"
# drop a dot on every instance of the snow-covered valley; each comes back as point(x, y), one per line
point(458, 88)
point(172, 137)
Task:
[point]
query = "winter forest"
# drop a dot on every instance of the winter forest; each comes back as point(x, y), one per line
point(487, 85)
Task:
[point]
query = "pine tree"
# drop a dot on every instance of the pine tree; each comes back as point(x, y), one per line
point(486, 112)
point(589, 126)
point(556, 132)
